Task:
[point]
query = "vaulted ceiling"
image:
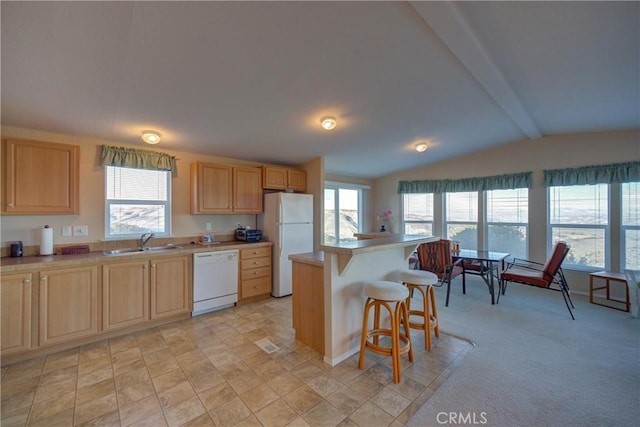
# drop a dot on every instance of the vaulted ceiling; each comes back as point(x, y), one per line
point(251, 80)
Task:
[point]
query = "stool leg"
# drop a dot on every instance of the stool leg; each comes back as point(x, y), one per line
point(434, 310)
point(395, 341)
point(408, 300)
point(407, 331)
point(427, 320)
point(365, 327)
point(376, 321)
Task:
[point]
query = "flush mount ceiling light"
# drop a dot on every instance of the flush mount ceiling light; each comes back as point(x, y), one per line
point(150, 137)
point(421, 148)
point(328, 123)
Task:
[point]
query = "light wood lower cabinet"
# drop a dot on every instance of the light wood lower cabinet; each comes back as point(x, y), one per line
point(16, 312)
point(125, 294)
point(170, 286)
point(255, 273)
point(68, 304)
point(308, 304)
point(134, 292)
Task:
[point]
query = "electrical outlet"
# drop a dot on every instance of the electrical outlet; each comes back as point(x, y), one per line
point(80, 230)
point(67, 231)
point(208, 226)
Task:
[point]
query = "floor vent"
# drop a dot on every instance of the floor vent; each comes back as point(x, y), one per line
point(266, 345)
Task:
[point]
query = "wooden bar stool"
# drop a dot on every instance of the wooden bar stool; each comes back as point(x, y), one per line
point(422, 281)
point(383, 294)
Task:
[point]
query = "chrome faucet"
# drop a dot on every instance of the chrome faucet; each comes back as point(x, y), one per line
point(145, 238)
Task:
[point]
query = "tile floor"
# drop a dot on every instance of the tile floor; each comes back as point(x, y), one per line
point(207, 371)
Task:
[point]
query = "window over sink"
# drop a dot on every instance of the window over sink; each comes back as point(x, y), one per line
point(137, 201)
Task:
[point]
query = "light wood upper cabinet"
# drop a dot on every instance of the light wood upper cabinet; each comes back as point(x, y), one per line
point(211, 188)
point(68, 304)
point(16, 312)
point(40, 178)
point(224, 189)
point(125, 294)
point(247, 190)
point(283, 178)
point(170, 286)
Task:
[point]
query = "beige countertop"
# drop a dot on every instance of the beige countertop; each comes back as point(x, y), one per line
point(18, 264)
point(346, 251)
point(372, 235)
point(313, 258)
point(377, 244)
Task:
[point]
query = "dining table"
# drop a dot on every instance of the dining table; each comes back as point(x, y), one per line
point(486, 264)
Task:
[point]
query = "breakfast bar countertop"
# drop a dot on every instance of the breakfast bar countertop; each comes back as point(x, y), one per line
point(312, 258)
point(378, 244)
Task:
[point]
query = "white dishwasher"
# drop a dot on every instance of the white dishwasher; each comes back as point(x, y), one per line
point(215, 280)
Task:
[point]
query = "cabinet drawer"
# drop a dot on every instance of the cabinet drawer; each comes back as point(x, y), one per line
point(255, 263)
point(255, 287)
point(255, 253)
point(255, 272)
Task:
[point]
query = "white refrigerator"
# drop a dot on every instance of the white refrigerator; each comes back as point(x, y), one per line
point(288, 223)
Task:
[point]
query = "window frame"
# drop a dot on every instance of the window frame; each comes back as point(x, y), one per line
point(433, 214)
point(109, 202)
point(624, 228)
point(478, 212)
point(605, 227)
point(487, 223)
point(336, 187)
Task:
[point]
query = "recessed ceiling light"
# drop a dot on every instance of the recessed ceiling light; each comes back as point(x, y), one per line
point(328, 123)
point(421, 148)
point(150, 137)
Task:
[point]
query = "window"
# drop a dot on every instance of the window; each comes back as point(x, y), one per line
point(630, 225)
point(342, 214)
point(461, 218)
point(137, 201)
point(579, 215)
point(417, 213)
point(507, 221)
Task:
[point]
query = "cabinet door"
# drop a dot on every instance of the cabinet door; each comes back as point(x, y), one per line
point(297, 180)
point(274, 178)
point(40, 178)
point(170, 286)
point(125, 294)
point(68, 304)
point(16, 312)
point(247, 190)
point(211, 188)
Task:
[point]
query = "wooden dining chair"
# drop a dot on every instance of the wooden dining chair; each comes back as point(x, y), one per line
point(545, 276)
point(436, 258)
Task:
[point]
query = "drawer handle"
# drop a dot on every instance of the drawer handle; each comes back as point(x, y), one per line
point(255, 272)
point(26, 281)
point(256, 262)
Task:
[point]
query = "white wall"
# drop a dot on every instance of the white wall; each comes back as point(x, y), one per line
point(551, 152)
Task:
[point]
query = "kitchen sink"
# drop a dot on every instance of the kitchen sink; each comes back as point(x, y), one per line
point(139, 250)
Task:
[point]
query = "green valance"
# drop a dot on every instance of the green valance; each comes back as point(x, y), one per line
point(497, 182)
point(137, 159)
point(590, 175)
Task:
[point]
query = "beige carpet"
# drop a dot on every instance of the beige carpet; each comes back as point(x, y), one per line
point(533, 365)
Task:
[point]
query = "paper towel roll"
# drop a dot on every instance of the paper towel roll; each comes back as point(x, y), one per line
point(46, 241)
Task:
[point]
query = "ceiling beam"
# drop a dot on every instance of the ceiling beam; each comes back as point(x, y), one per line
point(449, 25)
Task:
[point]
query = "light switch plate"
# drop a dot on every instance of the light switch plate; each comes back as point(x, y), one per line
point(67, 231)
point(208, 226)
point(80, 230)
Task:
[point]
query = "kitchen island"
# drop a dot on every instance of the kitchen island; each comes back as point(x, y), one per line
point(345, 267)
